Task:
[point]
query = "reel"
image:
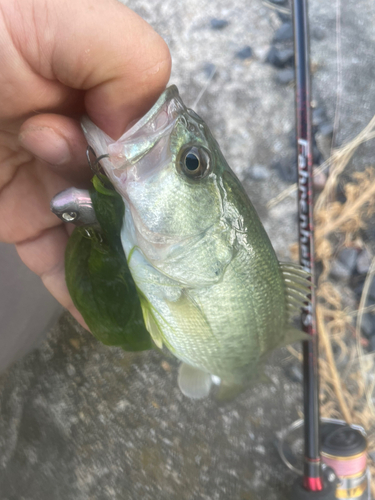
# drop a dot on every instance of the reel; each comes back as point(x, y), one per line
point(344, 457)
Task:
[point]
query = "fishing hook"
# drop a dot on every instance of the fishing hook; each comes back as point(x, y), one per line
point(97, 159)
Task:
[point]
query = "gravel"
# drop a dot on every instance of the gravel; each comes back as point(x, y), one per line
point(218, 24)
point(348, 257)
point(280, 57)
point(285, 76)
point(284, 33)
point(363, 262)
point(245, 53)
point(286, 168)
point(318, 116)
point(259, 172)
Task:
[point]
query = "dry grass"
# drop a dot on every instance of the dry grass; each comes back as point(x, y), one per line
point(347, 374)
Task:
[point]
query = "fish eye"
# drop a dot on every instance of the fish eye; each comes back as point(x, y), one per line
point(191, 162)
point(195, 162)
point(69, 216)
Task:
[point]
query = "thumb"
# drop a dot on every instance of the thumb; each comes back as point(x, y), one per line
point(103, 48)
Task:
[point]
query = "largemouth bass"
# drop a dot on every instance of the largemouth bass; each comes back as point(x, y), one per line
point(212, 289)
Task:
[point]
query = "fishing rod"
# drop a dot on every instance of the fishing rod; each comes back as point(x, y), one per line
point(313, 479)
point(343, 472)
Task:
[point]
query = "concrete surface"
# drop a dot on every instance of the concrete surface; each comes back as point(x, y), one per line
point(80, 421)
point(27, 309)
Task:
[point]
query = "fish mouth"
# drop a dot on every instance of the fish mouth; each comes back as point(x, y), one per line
point(147, 132)
point(164, 100)
point(140, 138)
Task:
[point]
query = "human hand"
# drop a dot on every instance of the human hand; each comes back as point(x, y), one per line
point(60, 59)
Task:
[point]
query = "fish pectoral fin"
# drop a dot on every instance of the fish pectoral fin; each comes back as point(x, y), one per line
point(193, 382)
point(297, 284)
point(188, 313)
point(151, 324)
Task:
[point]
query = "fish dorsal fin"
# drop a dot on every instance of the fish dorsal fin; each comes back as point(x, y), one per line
point(193, 383)
point(297, 284)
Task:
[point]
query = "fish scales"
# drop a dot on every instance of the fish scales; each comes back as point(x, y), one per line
point(211, 287)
